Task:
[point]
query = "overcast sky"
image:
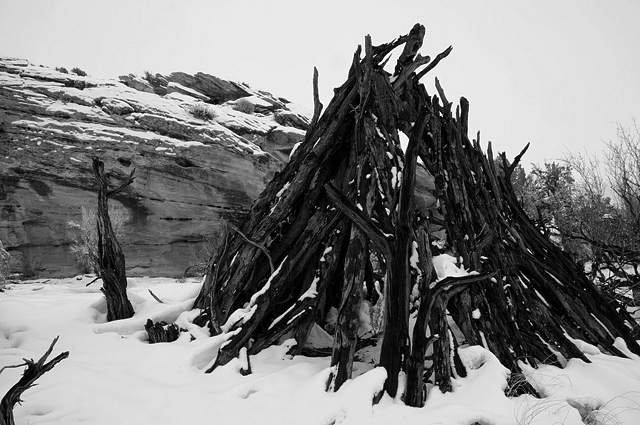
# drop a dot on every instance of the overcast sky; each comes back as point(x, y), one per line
point(558, 74)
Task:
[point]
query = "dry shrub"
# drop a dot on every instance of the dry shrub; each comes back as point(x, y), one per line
point(244, 105)
point(78, 72)
point(202, 112)
point(84, 246)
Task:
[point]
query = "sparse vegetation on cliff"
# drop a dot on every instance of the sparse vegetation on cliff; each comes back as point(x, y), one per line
point(78, 71)
point(202, 112)
point(154, 79)
point(244, 105)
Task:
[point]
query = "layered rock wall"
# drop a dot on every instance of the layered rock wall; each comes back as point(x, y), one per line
point(191, 174)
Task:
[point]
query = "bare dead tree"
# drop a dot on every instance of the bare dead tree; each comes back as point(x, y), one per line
point(111, 262)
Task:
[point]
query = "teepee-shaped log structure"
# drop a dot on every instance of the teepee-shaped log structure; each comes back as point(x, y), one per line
point(346, 201)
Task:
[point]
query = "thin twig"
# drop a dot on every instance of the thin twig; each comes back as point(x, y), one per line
point(154, 296)
point(256, 244)
point(92, 281)
point(516, 161)
point(12, 366)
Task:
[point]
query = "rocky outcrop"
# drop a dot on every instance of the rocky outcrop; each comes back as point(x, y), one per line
point(217, 90)
point(191, 174)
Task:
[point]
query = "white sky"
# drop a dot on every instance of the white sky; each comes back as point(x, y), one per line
point(558, 74)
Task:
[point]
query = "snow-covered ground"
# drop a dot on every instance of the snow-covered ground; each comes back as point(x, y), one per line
point(113, 376)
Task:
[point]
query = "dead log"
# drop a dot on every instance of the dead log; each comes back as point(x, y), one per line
point(31, 374)
point(111, 263)
point(161, 332)
point(346, 335)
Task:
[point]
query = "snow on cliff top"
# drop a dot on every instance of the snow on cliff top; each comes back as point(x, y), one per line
point(93, 103)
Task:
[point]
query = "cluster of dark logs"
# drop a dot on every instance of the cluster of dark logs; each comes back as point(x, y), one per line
point(345, 202)
point(111, 263)
point(341, 220)
point(161, 331)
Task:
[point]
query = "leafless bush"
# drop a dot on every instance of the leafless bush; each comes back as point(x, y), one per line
point(623, 169)
point(84, 246)
point(30, 266)
point(201, 255)
point(609, 222)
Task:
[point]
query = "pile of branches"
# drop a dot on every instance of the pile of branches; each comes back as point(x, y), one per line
point(341, 220)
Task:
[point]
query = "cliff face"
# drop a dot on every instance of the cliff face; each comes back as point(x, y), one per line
point(191, 173)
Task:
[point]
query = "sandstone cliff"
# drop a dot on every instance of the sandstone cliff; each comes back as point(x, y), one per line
point(191, 173)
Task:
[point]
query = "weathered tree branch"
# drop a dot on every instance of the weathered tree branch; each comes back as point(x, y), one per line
point(33, 371)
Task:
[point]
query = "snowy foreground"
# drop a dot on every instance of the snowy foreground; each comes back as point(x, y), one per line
point(113, 376)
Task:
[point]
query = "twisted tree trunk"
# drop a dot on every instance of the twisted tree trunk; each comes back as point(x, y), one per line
point(111, 262)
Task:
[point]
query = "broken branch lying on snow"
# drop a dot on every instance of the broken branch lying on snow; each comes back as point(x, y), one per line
point(33, 371)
